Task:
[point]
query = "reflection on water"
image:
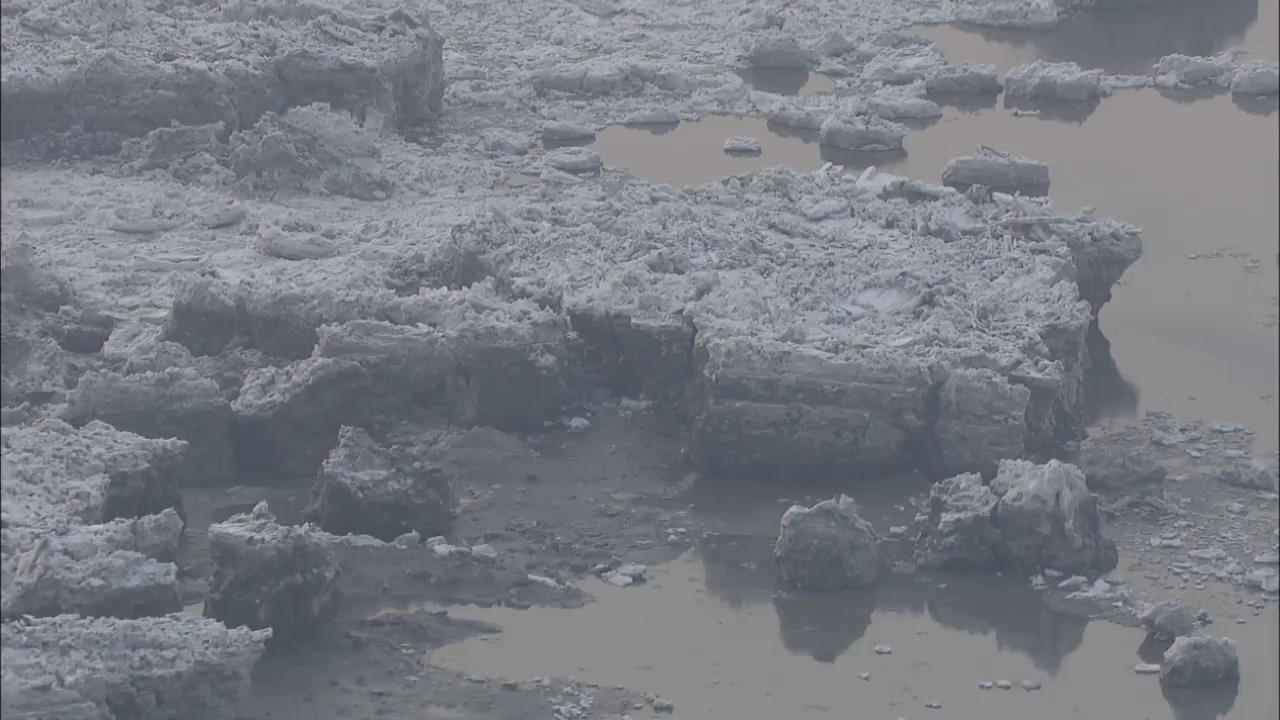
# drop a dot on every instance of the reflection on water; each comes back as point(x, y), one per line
point(1106, 393)
point(787, 81)
point(734, 648)
point(1121, 41)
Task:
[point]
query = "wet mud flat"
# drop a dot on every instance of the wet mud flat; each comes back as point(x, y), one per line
point(304, 398)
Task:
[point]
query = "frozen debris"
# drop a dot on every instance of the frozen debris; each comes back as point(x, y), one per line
point(410, 539)
point(1146, 668)
point(1256, 77)
point(1179, 71)
point(565, 131)
point(779, 50)
point(484, 550)
point(1037, 516)
point(625, 574)
point(503, 143)
point(1030, 685)
point(1195, 660)
point(1075, 582)
point(826, 547)
point(440, 547)
point(1042, 81)
point(963, 79)
point(1265, 579)
point(1267, 558)
point(380, 491)
point(56, 475)
point(902, 102)
point(960, 532)
point(177, 403)
point(158, 668)
point(1256, 474)
point(574, 160)
point(1004, 684)
point(123, 568)
point(883, 650)
point(1116, 470)
point(277, 243)
point(1020, 14)
point(1209, 553)
point(127, 88)
point(862, 133)
point(1226, 428)
point(1002, 172)
point(578, 424)
point(743, 145)
point(800, 118)
point(1169, 620)
point(663, 706)
point(835, 44)
point(267, 575)
point(901, 65)
point(287, 419)
point(654, 116)
point(310, 149)
point(545, 581)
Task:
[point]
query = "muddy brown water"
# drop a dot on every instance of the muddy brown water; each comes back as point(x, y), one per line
point(1124, 42)
point(1193, 324)
point(709, 633)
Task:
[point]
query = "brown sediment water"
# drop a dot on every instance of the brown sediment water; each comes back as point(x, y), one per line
point(709, 633)
point(1193, 324)
point(1126, 42)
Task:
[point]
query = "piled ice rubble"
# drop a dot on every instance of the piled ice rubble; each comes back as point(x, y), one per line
point(267, 575)
point(177, 667)
point(1023, 14)
point(1004, 172)
point(827, 547)
point(1043, 81)
point(136, 69)
point(367, 489)
point(91, 521)
point(1184, 71)
point(1256, 77)
point(1029, 516)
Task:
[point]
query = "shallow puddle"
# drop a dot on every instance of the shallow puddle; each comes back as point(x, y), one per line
point(784, 81)
point(1125, 42)
point(708, 633)
point(1193, 325)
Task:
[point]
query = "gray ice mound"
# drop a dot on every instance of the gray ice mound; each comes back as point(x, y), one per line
point(1000, 171)
point(1197, 661)
point(365, 488)
point(1042, 81)
point(827, 547)
point(1256, 77)
point(1179, 71)
point(267, 575)
point(1029, 516)
point(1169, 620)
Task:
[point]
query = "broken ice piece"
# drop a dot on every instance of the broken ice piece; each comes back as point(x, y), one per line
point(883, 649)
point(1146, 668)
point(743, 145)
point(544, 581)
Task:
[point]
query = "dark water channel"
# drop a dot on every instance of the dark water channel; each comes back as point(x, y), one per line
point(1193, 325)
